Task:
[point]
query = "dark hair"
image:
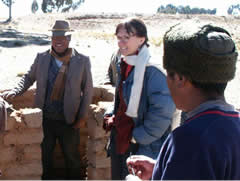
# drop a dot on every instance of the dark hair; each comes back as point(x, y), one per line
point(134, 26)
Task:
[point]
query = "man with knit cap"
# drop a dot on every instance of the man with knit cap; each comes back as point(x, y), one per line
point(64, 91)
point(200, 60)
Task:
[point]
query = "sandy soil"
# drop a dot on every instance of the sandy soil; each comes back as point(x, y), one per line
point(24, 37)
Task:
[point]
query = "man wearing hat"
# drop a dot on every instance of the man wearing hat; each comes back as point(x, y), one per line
point(64, 91)
point(200, 60)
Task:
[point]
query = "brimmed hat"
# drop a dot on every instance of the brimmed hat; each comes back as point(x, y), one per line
point(60, 28)
point(203, 53)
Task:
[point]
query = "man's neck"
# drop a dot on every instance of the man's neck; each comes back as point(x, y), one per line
point(197, 98)
point(62, 54)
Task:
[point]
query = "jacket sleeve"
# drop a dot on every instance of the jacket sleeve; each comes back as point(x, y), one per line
point(87, 91)
point(110, 77)
point(28, 79)
point(159, 112)
point(112, 110)
point(115, 80)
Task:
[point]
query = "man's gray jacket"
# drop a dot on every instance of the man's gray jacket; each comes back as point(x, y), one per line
point(78, 87)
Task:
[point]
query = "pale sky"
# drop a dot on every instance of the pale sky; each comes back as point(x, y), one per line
point(122, 6)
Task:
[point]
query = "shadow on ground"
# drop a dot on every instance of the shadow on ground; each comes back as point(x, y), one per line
point(10, 38)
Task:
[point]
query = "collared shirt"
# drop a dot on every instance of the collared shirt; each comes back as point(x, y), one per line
point(58, 62)
point(219, 104)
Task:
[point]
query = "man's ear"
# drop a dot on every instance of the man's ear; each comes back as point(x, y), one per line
point(69, 37)
point(181, 80)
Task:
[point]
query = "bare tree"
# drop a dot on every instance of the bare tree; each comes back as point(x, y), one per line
point(34, 6)
point(9, 3)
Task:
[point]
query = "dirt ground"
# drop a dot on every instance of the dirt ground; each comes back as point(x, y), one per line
point(24, 37)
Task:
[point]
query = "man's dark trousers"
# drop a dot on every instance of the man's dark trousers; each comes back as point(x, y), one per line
point(68, 139)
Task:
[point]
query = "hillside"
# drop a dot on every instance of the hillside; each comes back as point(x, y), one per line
point(24, 37)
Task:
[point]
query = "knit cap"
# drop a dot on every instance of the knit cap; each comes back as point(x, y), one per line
point(203, 53)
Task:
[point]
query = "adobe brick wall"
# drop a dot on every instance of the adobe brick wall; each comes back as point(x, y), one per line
point(20, 145)
point(20, 142)
point(99, 166)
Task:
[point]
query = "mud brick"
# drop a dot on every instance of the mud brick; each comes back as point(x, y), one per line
point(28, 136)
point(24, 170)
point(32, 152)
point(98, 173)
point(32, 117)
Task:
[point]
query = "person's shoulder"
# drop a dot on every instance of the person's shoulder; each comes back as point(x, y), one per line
point(43, 53)
point(115, 53)
point(116, 56)
point(156, 66)
point(155, 71)
point(42, 56)
point(189, 131)
point(207, 128)
point(80, 56)
point(183, 136)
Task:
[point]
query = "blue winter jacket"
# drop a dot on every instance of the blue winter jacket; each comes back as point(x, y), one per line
point(155, 111)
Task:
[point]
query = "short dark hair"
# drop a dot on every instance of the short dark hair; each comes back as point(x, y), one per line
point(134, 26)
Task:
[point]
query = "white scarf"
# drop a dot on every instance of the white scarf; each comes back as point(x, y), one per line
point(140, 62)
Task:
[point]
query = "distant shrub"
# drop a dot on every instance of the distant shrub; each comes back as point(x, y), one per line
point(157, 41)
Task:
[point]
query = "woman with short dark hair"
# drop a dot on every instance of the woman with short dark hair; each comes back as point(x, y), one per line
point(143, 107)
